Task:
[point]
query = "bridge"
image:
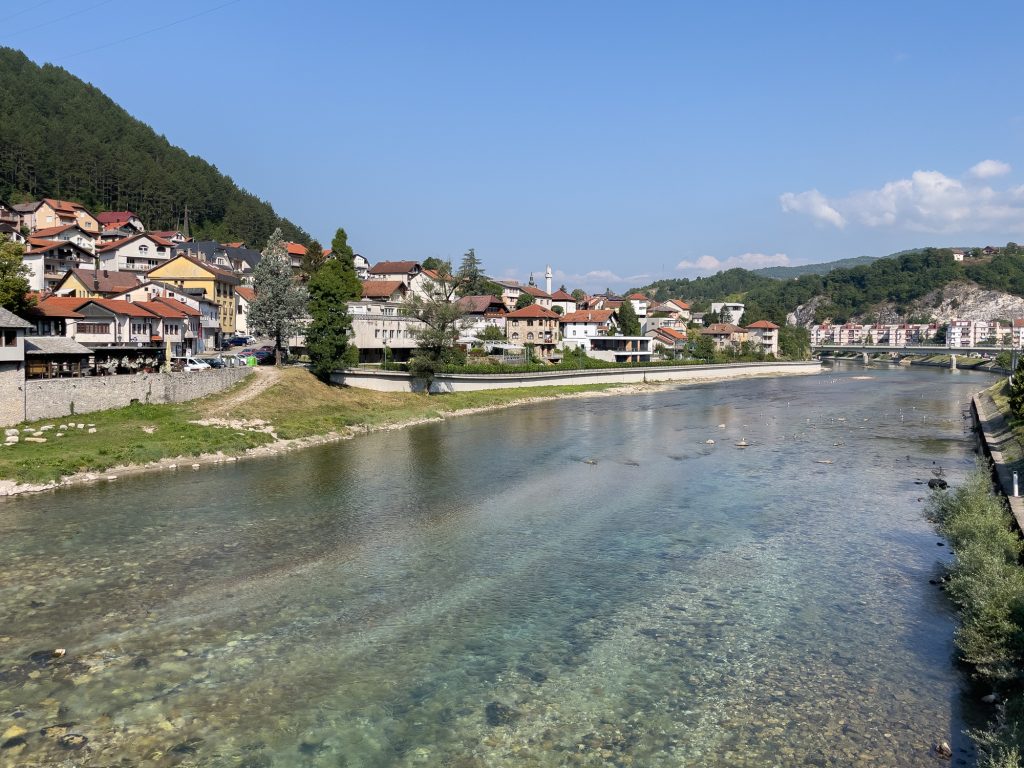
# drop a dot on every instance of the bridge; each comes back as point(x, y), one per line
point(866, 350)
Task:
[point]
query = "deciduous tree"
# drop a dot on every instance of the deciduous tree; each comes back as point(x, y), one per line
point(441, 323)
point(13, 277)
point(331, 288)
point(525, 299)
point(628, 321)
point(280, 300)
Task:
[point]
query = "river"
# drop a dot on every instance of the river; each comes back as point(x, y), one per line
point(585, 582)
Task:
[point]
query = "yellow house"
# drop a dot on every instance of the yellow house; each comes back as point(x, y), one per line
point(218, 286)
point(91, 283)
point(60, 213)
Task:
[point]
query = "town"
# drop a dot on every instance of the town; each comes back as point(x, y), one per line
point(111, 297)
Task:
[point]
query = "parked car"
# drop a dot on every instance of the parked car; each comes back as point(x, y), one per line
point(265, 356)
point(188, 364)
point(238, 341)
point(215, 362)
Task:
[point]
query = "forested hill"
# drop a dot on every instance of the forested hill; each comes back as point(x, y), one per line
point(845, 293)
point(787, 273)
point(63, 138)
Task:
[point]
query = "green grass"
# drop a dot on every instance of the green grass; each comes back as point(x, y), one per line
point(986, 582)
point(297, 406)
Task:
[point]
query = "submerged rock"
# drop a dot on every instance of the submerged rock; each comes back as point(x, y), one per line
point(73, 741)
point(499, 714)
point(937, 483)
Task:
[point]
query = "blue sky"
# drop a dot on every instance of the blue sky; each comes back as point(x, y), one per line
point(618, 142)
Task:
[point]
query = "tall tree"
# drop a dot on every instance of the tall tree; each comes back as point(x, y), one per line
point(628, 321)
point(331, 288)
point(280, 300)
point(440, 324)
point(313, 260)
point(13, 277)
point(432, 262)
point(579, 294)
point(525, 299)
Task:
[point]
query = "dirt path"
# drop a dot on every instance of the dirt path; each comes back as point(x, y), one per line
point(262, 378)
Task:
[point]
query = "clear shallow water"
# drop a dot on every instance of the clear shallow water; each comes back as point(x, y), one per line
point(474, 594)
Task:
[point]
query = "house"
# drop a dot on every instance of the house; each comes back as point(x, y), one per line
point(362, 265)
point(728, 311)
point(540, 297)
point(640, 304)
point(217, 285)
point(668, 339)
point(1017, 334)
point(725, 335)
point(510, 291)
point(245, 295)
point(71, 233)
point(178, 325)
point(482, 312)
point(9, 216)
point(203, 315)
point(380, 330)
point(958, 254)
point(585, 324)
point(230, 256)
point(296, 253)
point(48, 212)
point(12, 367)
point(564, 301)
point(49, 260)
point(620, 349)
point(120, 220)
point(174, 235)
point(385, 290)
point(12, 232)
point(88, 283)
point(137, 253)
point(666, 314)
point(534, 325)
point(765, 335)
point(418, 280)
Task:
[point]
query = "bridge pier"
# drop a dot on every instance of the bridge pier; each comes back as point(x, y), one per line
point(865, 357)
point(952, 362)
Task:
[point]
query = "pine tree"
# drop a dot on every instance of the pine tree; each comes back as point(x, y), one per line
point(313, 260)
point(280, 300)
point(327, 336)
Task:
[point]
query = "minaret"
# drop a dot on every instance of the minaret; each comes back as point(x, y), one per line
point(547, 279)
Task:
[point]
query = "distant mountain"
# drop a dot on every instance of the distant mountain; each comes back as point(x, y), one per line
point(788, 273)
point(63, 138)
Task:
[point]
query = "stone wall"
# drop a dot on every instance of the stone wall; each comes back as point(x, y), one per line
point(12, 393)
point(54, 398)
point(396, 381)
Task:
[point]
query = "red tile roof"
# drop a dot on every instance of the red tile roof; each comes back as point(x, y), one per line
point(637, 296)
point(588, 316)
point(680, 303)
point(393, 267)
point(295, 249)
point(51, 231)
point(381, 289)
point(103, 281)
point(153, 238)
point(42, 244)
point(159, 309)
point(179, 306)
point(764, 324)
point(719, 329)
point(561, 295)
point(57, 306)
point(246, 292)
point(532, 311)
point(64, 206)
point(673, 333)
point(110, 217)
point(535, 292)
point(121, 307)
point(477, 305)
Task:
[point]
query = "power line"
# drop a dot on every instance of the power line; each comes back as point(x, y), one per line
point(11, 35)
point(150, 31)
point(27, 10)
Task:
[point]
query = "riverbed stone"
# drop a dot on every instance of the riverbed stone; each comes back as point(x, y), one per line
point(35, 439)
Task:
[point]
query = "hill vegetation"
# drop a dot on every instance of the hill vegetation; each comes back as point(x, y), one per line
point(63, 138)
point(846, 293)
point(823, 268)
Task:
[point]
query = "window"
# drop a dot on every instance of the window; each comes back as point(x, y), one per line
point(529, 336)
point(94, 327)
point(9, 338)
point(515, 337)
point(143, 249)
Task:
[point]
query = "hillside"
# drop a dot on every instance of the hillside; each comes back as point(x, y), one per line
point(823, 268)
point(63, 138)
point(893, 287)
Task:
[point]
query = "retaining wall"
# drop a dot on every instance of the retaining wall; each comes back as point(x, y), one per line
point(54, 398)
point(398, 381)
point(996, 435)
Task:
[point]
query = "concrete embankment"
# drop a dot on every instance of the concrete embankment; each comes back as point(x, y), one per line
point(1002, 446)
point(399, 381)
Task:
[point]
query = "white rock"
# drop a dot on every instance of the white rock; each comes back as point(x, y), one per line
point(195, 466)
point(45, 427)
point(59, 434)
point(11, 439)
point(80, 426)
point(11, 432)
point(111, 477)
point(35, 439)
point(91, 430)
point(63, 427)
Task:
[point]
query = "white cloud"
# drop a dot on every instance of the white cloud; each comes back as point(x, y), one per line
point(986, 169)
point(745, 260)
point(814, 204)
point(929, 201)
point(597, 279)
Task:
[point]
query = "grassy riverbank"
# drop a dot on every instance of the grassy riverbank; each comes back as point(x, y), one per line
point(986, 582)
point(290, 402)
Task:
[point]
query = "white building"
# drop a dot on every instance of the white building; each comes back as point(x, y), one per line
point(734, 310)
point(585, 324)
point(138, 253)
